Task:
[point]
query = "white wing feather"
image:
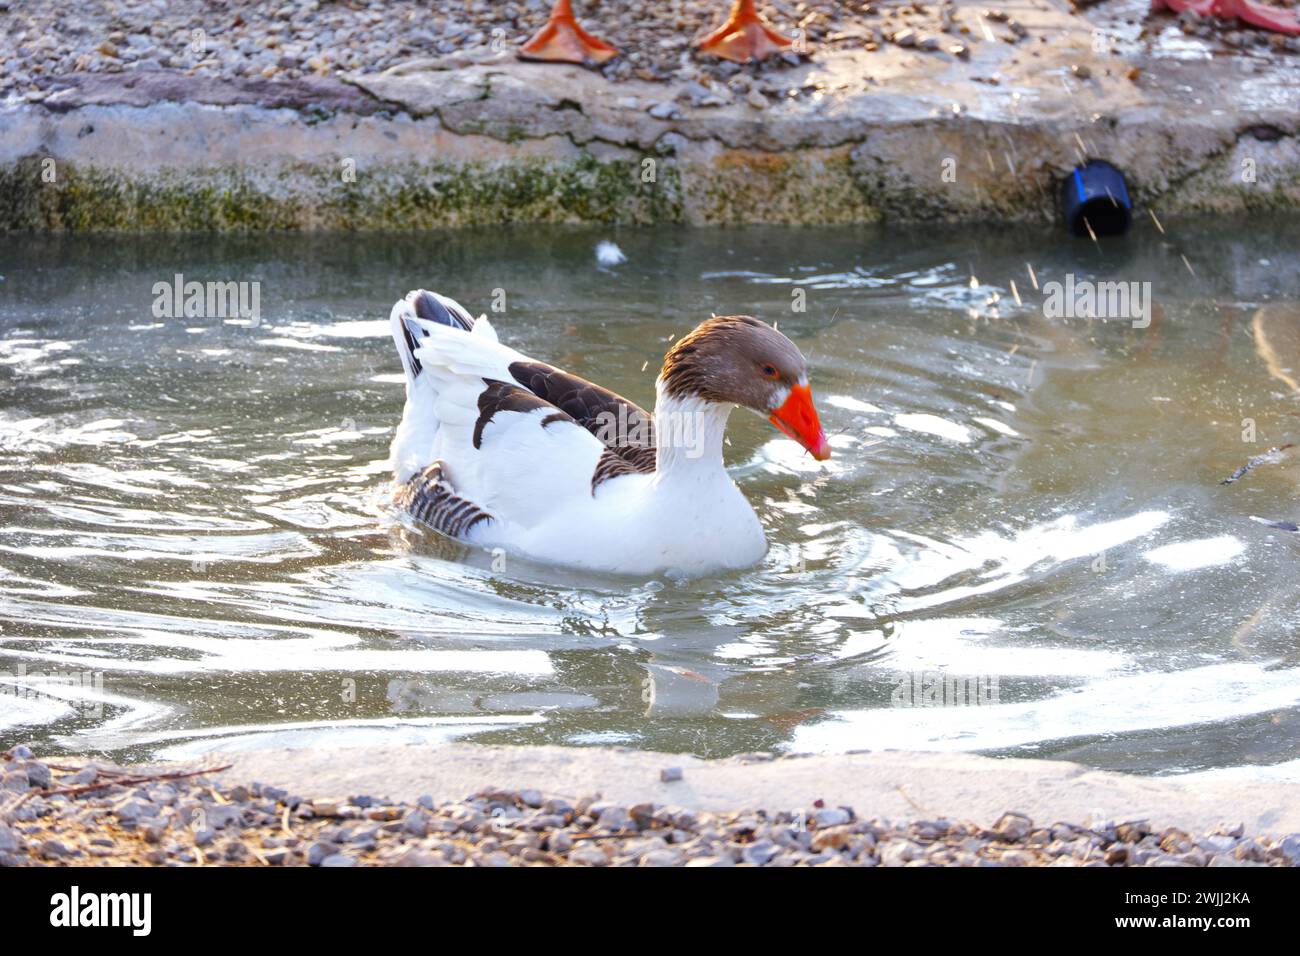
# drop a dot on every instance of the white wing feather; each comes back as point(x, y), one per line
point(522, 472)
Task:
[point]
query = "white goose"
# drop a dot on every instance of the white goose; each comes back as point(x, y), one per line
point(500, 450)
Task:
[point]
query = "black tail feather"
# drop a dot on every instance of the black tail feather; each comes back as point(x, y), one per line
point(409, 335)
point(431, 499)
point(430, 309)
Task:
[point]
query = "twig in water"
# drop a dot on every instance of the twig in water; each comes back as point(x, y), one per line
point(1258, 460)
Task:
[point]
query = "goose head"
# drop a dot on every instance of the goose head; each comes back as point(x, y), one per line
point(738, 360)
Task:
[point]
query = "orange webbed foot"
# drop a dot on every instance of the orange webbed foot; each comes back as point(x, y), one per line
point(563, 40)
point(745, 37)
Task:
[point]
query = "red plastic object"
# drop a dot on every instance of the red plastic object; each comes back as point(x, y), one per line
point(1270, 18)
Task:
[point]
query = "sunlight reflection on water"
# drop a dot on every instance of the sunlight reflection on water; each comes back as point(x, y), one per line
point(196, 512)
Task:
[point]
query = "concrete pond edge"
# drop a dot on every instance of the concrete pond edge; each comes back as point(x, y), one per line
point(524, 143)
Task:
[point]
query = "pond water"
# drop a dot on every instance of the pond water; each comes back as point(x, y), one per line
point(1020, 547)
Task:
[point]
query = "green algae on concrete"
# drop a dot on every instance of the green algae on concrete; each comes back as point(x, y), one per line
point(88, 198)
point(803, 187)
point(423, 195)
point(93, 199)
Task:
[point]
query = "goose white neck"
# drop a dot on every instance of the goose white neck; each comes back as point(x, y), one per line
point(688, 435)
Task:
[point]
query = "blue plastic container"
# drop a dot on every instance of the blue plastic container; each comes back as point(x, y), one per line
point(1095, 195)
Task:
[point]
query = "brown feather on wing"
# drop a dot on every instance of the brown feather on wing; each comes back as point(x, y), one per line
point(504, 397)
point(625, 428)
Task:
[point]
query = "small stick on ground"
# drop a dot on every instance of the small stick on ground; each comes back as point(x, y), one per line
point(123, 782)
point(906, 796)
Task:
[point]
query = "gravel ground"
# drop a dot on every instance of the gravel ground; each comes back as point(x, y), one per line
point(101, 814)
point(291, 39)
point(304, 37)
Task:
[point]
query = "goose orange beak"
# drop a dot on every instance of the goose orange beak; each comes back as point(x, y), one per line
point(798, 418)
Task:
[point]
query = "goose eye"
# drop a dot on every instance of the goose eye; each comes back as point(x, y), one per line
point(769, 371)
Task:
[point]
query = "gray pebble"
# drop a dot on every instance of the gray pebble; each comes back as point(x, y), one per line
point(319, 851)
point(614, 818)
point(1290, 848)
point(419, 857)
point(832, 817)
point(760, 853)
point(899, 853)
point(8, 838)
point(221, 816)
point(54, 850)
point(1217, 843)
point(664, 111)
point(368, 836)
point(664, 857)
point(1014, 826)
point(131, 811)
point(81, 778)
point(416, 823)
point(38, 775)
point(588, 855)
